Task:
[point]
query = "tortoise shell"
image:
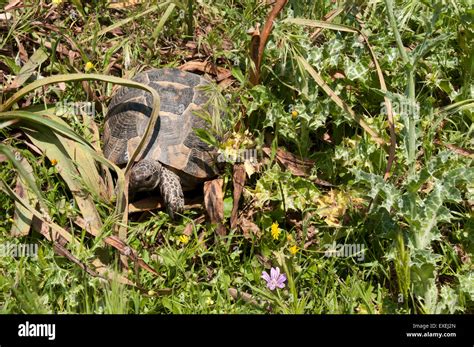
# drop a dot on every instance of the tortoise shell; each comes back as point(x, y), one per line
point(173, 142)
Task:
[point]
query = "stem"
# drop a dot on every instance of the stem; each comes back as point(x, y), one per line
point(410, 71)
point(190, 18)
point(398, 38)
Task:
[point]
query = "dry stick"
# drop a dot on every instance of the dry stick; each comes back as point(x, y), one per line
point(458, 150)
point(119, 244)
point(267, 29)
point(62, 251)
point(328, 17)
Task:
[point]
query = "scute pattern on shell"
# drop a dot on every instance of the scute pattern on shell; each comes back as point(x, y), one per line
point(173, 142)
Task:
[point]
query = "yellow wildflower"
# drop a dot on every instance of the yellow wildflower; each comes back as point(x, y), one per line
point(275, 231)
point(184, 239)
point(89, 66)
point(289, 238)
point(56, 2)
point(293, 249)
point(294, 114)
point(54, 162)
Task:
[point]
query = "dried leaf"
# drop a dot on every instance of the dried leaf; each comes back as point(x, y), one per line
point(249, 168)
point(294, 164)
point(188, 230)
point(238, 180)
point(248, 228)
point(214, 200)
point(12, 4)
point(207, 67)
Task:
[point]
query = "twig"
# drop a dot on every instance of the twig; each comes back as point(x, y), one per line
point(328, 17)
point(458, 150)
point(267, 29)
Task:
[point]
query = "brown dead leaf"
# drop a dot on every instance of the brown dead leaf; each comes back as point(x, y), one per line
point(294, 164)
point(188, 230)
point(12, 4)
point(249, 228)
point(262, 38)
point(21, 216)
point(226, 83)
point(42, 227)
point(238, 181)
point(207, 67)
point(254, 48)
point(214, 203)
point(22, 51)
point(214, 200)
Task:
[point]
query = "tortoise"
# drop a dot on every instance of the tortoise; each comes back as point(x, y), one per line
point(175, 159)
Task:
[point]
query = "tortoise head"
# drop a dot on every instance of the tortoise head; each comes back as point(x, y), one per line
point(145, 176)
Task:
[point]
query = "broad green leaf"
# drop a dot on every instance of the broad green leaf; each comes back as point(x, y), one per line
point(53, 148)
point(38, 58)
point(22, 216)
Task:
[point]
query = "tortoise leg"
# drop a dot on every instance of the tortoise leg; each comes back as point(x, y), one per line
point(172, 192)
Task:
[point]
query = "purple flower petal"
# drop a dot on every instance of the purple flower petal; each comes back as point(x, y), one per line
point(281, 281)
point(273, 273)
point(275, 279)
point(266, 276)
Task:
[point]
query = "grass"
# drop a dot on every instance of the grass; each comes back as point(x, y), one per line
point(342, 170)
